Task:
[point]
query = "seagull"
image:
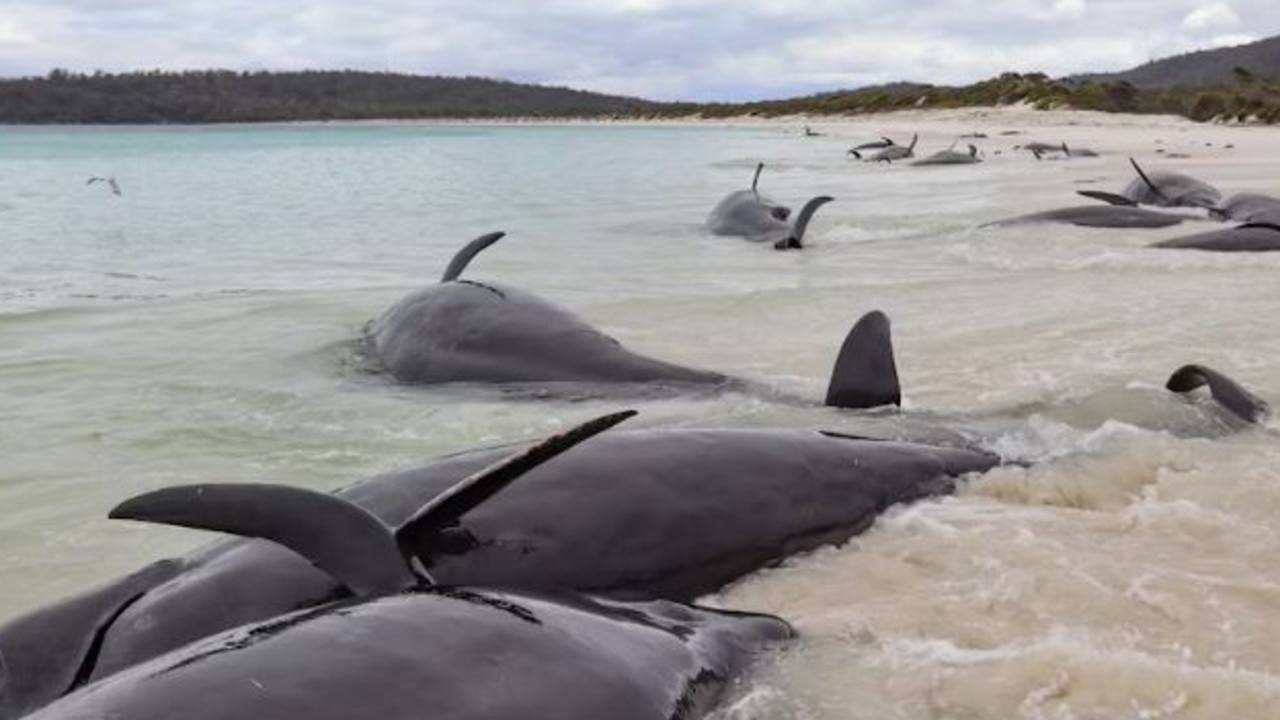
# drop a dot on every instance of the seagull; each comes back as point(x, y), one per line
point(111, 181)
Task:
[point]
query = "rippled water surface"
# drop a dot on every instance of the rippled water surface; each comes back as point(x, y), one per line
point(198, 327)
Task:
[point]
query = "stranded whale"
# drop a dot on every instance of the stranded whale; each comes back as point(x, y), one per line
point(750, 215)
point(402, 647)
point(467, 331)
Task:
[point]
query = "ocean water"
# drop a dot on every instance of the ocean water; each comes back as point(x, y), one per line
point(199, 327)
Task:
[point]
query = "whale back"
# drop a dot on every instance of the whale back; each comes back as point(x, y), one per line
point(458, 654)
point(638, 514)
point(744, 213)
point(466, 331)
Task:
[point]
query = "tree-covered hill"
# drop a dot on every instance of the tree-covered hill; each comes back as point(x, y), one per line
point(214, 96)
point(1203, 67)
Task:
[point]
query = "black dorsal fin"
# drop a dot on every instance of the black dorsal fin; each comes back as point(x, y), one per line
point(1154, 188)
point(1225, 391)
point(444, 509)
point(865, 373)
point(755, 180)
point(465, 255)
point(1107, 197)
point(342, 539)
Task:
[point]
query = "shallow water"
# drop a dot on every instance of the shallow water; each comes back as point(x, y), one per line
point(198, 326)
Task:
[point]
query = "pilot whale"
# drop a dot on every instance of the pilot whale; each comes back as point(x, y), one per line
point(461, 330)
point(750, 215)
point(637, 514)
point(401, 646)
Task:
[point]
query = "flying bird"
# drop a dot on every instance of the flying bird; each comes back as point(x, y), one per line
point(110, 181)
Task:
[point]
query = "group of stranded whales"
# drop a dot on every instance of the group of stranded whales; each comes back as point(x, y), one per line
point(439, 583)
point(1146, 202)
point(551, 579)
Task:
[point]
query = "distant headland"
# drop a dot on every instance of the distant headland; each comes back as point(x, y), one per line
point(1236, 84)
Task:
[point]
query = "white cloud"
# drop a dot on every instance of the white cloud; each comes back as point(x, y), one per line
point(1069, 8)
point(665, 49)
point(1211, 17)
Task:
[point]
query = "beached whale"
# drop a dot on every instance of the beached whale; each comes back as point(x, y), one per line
point(402, 647)
point(467, 331)
point(1248, 207)
point(951, 157)
point(672, 514)
point(1249, 237)
point(750, 215)
point(1162, 189)
point(1099, 216)
point(891, 152)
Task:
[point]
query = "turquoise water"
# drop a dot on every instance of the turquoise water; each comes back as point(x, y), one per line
point(198, 327)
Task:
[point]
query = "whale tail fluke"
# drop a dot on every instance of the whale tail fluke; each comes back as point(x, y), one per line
point(865, 374)
point(343, 539)
point(465, 255)
point(1225, 391)
point(795, 240)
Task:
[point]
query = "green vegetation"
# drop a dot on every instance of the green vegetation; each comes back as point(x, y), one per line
point(217, 96)
point(1248, 99)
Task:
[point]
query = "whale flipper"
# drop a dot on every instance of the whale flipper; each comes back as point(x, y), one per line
point(865, 374)
point(1225, 391)
point(464, 256)
point(1107, 197)
point(340, 538)
point(446, 508)
point(795, 240)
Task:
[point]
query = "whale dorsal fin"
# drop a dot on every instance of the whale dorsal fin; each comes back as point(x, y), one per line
point(339, 537)
point(1225, 391)
point(1154, 188)
point(865, 374)
point(914, 138)
point(1107, 197)
point(755, 180)
point(465, 255)
point(446, 508)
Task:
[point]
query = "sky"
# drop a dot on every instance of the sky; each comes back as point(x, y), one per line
point(703, 50)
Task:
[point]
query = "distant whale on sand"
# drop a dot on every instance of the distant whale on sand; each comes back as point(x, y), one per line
point(750, 215)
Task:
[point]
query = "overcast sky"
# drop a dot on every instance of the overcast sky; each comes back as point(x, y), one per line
point(660, 49)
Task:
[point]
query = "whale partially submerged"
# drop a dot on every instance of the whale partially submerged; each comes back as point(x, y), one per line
point(757, 218)
point(1162, 189)
point(400, 646)
point(951, 156)
point(462, 330)
point(1250, 237)
point(1098, 216)
point(890, 152)
point(466, 331)
point(631, 515)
